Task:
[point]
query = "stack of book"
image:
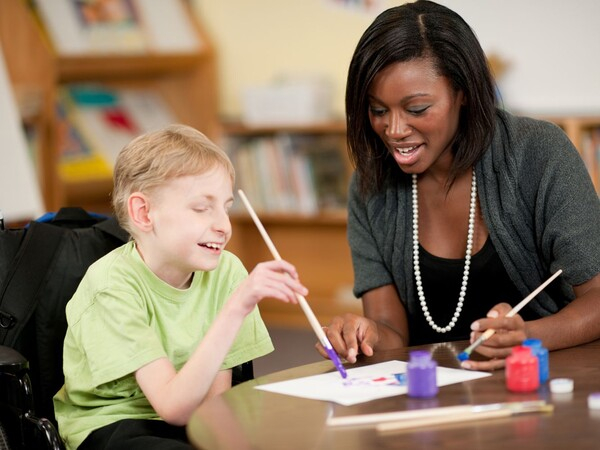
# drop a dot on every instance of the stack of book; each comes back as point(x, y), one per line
point(289, 173)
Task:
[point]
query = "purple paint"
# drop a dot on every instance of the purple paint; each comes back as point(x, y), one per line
point(333, 356)
point(421, 375)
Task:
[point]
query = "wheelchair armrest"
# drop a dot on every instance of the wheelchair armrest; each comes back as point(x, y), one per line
point(12, 361)
point(15, 385)
point(41, 434)
point(243, 372)
point(16, 405)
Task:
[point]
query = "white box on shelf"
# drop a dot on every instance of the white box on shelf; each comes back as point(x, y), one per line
point(291, 102)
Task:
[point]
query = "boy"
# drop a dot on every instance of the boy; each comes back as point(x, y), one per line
point(156, 325)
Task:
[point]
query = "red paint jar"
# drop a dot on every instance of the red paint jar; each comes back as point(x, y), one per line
point(522, 370)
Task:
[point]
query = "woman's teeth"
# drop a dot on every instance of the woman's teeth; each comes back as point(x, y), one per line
point(406, 151)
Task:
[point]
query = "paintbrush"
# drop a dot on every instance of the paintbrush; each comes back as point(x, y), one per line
point(310, 315)
point(463, 356)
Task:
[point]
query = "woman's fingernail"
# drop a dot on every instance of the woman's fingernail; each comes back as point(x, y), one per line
point(493, 314)
point(465, 365)
point(351, 355)
point(475, 326)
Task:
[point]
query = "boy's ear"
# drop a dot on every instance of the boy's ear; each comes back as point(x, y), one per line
point(138, 206)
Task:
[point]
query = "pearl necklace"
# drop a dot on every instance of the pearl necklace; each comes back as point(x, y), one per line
point(465, 279)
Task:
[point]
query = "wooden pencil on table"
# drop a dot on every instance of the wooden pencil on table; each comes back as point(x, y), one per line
point(417, 417)
point(481, 412)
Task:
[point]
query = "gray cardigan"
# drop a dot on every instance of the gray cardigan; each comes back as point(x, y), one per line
point(538, 203)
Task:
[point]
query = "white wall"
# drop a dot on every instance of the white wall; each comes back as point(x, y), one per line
point(552, 46)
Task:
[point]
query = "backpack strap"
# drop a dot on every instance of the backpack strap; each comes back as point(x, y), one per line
point(77, 217)
point(111, 226)
point(72, 217)
point(18, 293)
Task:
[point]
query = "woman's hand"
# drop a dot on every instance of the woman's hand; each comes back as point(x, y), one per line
point(510, 331)
point(350, 335)
point(383, 326)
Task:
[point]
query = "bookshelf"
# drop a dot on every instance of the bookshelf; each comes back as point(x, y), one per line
point(316, 243)
point(184, 79)
point(294, 169)
point(314, 240)
point(584, 132)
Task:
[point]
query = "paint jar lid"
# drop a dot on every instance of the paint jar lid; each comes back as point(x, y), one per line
point(532, 342)
point(561, 385)
point(594, 400)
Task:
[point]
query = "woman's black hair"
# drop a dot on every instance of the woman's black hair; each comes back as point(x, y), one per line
point(407, 32)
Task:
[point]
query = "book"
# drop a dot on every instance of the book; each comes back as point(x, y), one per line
point(97, 121)
point(79, 27)
point(78, 161)
point(328, 167)
point(299, 174)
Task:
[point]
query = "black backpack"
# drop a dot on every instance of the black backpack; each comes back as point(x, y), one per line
point(41, 266)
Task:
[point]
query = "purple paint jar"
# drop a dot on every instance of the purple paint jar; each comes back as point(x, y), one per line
point(421, 375)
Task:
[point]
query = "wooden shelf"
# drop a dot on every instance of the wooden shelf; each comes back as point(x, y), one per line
point(31, 69)
point(106, 67)
point(187, 83)
point(236, 128)
point(314, 242)
point(318, 249)
point(332, 218)
point(580, 130)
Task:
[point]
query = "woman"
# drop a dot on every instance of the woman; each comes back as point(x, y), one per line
point(458, 209)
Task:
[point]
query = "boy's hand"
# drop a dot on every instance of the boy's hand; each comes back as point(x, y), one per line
point(271, 279)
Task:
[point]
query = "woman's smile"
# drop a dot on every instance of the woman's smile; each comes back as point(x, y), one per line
point(405, 155)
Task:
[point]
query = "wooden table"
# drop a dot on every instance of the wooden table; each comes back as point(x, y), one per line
point(248, 418)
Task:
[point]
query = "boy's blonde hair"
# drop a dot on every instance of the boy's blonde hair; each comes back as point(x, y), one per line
point(151, 159)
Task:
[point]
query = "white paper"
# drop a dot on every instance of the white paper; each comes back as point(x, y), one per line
point(62, 24)
point(20, 195)
point(361, 385)
point(168, 25)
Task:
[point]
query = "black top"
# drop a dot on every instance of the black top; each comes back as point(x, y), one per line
point(441, 279)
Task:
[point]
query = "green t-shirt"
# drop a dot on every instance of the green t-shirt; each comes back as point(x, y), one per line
point(123, 316)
